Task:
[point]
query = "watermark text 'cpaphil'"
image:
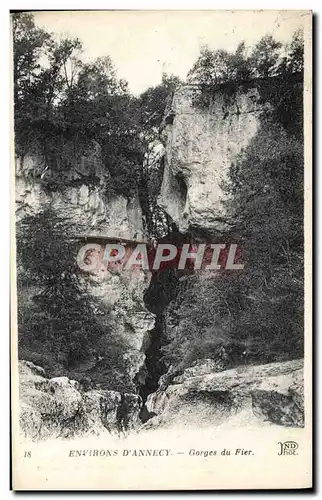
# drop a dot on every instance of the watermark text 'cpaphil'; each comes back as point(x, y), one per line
point(215, 256)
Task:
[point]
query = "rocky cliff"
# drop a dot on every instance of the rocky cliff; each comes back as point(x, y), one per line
point(84, 203)
point(247, 395)
point(60, 407)
point(91, 209)
point(200, 146)
point(202, 142)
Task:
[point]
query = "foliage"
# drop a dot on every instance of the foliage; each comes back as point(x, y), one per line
point(219, 66)
point(62, 105)
point(81, 119)
point(153, 103)
point(199, 321)
point(62, 327)
point(268, 58)
point(268, 205)
point(254, 316)
point(265, 56)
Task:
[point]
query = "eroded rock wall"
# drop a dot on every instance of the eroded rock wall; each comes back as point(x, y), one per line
point(271, 394)
point(90, 210)
point(200, 145)
point(84, 204)
point(60, 407)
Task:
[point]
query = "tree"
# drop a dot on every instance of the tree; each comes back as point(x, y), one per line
point(39, 83)
point(30, 42)
point(211, 68)
point(62, 327)
point(63, 106)
point(220, 66)
point(256, 316)
point(293, 60)
point(264, 60)
point(265, 56)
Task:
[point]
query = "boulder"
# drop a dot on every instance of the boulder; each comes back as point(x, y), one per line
point(270, 394)
point(100, 408)
point(58, 407)
point(49, 407)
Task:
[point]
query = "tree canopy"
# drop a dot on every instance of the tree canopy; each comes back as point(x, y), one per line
point(267, 58)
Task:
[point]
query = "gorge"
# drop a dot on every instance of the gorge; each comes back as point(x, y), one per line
point(184, 356)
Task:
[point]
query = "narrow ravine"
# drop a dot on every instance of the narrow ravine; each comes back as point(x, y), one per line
point(163, 289)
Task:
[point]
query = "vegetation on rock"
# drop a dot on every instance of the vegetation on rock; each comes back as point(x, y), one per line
point(255, 316)
point(67, 110)
point(61, 326)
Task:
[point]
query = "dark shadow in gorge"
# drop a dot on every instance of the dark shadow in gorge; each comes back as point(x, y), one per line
point(163, 289)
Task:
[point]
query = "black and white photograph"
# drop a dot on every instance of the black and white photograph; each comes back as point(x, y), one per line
point(161, 170)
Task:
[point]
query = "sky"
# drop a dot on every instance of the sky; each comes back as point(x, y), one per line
point(143, 44)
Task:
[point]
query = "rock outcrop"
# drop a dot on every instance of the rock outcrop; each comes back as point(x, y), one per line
point(60, 407)
point(200, 146)
point(247, 395)
point(86, 205)
point(90, 210)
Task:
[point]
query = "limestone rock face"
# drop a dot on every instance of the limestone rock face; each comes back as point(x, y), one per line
point(59, 407)
point(90, 211)
point(269, 394)
point(122, 292)
point(48, 407)
point(86, 205)
point(200, 145)
point(199, 368)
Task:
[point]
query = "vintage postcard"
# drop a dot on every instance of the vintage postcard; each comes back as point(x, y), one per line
point(161, 250)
